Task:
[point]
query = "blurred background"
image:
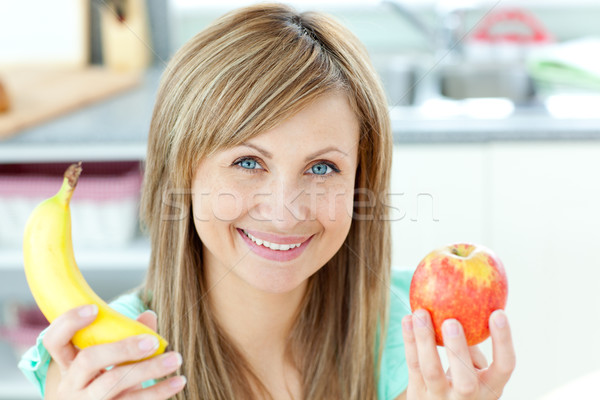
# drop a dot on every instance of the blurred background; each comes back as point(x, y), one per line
point(495, 109)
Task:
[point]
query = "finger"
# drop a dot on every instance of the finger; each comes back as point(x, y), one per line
point(415, 380)
point(90, 360)
point(429, 359)
point(465, 382)
point(120, 378)
point(57, 339)
point(133, 388)
point(148, 318)
point(479, 360)
point(159, 391)
point(504, 359)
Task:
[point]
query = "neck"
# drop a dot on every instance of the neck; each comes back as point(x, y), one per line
point(258, 322)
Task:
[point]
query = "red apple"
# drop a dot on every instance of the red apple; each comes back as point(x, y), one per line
point(466, 282)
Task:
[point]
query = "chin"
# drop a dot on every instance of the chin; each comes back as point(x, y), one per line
point(275, 280)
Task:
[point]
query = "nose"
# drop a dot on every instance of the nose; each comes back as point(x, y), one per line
point(284, 203)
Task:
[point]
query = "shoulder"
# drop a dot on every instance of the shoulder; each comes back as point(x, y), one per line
point(129, 304)
point(399, 305)
point(399, 302)
point(394, 372)
point(399, 292)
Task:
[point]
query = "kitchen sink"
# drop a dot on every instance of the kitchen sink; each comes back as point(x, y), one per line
point(476, 80)
point(399, 76)
point(412, 82)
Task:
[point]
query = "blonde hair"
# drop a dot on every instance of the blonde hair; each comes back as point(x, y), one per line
point(243, 74)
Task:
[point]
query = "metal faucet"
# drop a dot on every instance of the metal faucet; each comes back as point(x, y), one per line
point(445, 41)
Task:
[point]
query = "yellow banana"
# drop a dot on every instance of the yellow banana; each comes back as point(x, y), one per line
point(55, 280)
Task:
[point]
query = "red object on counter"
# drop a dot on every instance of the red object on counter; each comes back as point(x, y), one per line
point(537, 33)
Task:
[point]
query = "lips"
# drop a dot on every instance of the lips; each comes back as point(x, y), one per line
point(275, 255)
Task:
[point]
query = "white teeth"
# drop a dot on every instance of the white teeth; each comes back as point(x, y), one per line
point(273, 246)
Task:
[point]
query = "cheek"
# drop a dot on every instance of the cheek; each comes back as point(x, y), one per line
point(334, 209)
point(218, 205)
point(220, 200)
point(227, 205)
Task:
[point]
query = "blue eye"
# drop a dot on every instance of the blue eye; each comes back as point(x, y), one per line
point(319, 170)
point(248, 163)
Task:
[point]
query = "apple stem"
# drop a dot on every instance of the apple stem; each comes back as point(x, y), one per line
point(462, 250)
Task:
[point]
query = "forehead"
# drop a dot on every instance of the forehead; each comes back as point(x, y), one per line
point(329, 120)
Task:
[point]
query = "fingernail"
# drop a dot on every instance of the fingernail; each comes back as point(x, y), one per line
point(499, 319)
point(148, 342)
point(88, 311)
point(178, 381)
point(172, 360)
point(153, 313)
point(420, 318)
point(450, 328)
point(407, 323)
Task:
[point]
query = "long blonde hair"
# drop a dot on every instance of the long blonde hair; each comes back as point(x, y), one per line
point(243, 74)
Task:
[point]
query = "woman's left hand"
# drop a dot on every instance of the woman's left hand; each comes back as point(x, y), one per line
point(468, 378)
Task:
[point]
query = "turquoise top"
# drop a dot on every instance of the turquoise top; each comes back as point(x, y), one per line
point(394, 373)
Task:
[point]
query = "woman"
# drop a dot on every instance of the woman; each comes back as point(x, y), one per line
point(268, 156)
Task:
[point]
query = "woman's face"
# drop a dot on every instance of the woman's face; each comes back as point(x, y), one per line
point(293, 184)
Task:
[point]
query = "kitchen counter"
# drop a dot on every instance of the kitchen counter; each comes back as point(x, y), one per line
point(117, 129)
point(532, 124)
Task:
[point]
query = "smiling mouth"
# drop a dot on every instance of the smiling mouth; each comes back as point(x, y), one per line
point(271, 245)
point(281, 253)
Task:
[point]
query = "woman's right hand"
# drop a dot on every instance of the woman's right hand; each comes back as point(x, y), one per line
point(81, 373)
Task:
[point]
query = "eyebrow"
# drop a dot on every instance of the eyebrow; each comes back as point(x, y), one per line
point(308, 158)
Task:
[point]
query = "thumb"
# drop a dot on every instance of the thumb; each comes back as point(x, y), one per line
point(148, 318)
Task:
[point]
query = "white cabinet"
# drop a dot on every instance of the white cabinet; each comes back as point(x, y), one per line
point(439, 196)
point(544, 224)
point(537, 205)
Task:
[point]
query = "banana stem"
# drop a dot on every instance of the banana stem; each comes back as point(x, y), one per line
point(71, 177)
